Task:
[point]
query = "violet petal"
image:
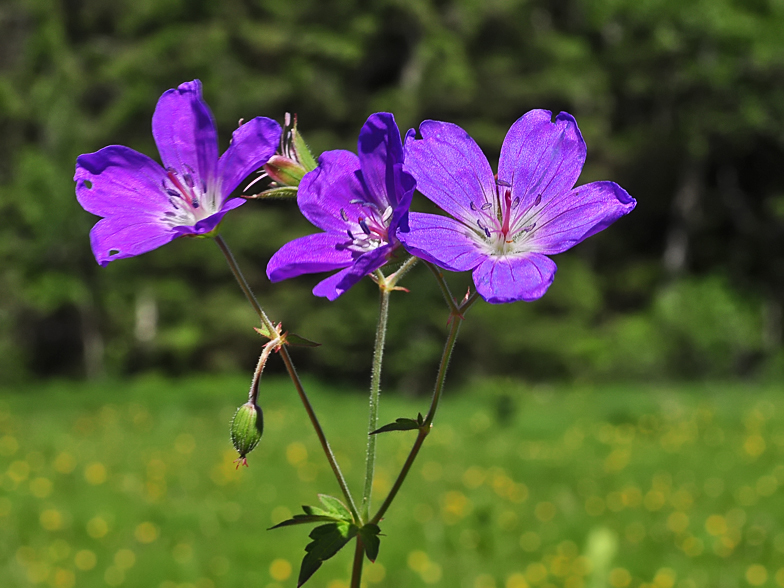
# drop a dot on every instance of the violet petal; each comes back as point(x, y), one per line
point(583, 212)
point(321, 252)
point(184, 131)
point(120, 237)
point(379, 149)
point(509, 279)
point(252, 144)
point(333, 186)
point(540, 157)
point(442, 241)
point(119, 180)
point(450, 169)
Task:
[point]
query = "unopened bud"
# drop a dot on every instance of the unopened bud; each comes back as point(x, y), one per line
point(246, 429)
point(284, 171)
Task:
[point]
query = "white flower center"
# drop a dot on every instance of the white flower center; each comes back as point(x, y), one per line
point(190, 200)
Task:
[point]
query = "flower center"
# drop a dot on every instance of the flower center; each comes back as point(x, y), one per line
point(502, 227)
point(369, 230)
point(190, 202)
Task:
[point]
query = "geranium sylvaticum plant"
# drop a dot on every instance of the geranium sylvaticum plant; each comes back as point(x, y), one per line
point(503, 226)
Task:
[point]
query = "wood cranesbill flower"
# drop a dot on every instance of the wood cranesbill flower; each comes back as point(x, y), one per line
point(504, 227)
point(359, 202)
point(146, 205)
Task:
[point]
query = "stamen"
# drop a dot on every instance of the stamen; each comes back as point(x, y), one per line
point(173, 193)
point(472, 205)
point(343, 215)
point(538, 200)
point(503, 183)
point(515, 202)
point(195, 202)
point(487, 233)
point(363, 226)
point(188, 180)
point(529, 228)
point(350, 234)
point(487, 205)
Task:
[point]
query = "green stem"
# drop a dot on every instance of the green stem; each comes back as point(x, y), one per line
point(356, 568)
point(375, 393)
point(424, 430)
point(284, 353)
point(445, 291)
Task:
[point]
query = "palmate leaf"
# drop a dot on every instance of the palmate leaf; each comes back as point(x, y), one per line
point(402, 424)
point(370, 540)
point(327, 541)
point(334, 511)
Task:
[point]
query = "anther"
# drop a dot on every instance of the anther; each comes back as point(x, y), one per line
point(515, 202)
point(529, 228)
point(538, 200)
point(472, 205)
point(343, 214)
point(188, 180)
point(173, 193)
point(503, 183)
point(487, 205)
point(363, 226)
point(350, 234)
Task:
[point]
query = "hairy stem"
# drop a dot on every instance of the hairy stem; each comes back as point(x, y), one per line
point(375, 393)
point(424, 430)
point(284, 353)
point(356, 568)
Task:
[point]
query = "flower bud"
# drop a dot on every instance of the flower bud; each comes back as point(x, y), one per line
point(246, 429)
point(284, 171)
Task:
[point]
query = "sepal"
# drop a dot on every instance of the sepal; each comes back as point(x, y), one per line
point(402, 424)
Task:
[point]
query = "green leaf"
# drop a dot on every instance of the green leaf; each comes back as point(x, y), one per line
point(304, 519)
point(281, 193)
point(336, 507)
point(304, 155)
point(400, 425)
point(263, 331)
point(294, 339)
point(327, 541)
point(370, 540)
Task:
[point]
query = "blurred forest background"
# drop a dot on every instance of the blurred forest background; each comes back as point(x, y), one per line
point(681, 102)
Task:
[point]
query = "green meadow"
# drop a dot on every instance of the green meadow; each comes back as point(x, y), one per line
point(133, 484)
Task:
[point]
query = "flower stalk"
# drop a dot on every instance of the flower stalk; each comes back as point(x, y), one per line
point(284, 353)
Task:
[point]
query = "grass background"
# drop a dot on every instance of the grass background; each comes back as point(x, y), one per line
point(133, 484)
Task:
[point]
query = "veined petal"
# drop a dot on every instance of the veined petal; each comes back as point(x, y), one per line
point(509, 279)
point(442, 241)
point(252, 144)
point(321, 252)
point(127, 236)
point(541, 158)
point(583, 212)
point(209, 224)
point(184, 131)
point(119, 180)
point(328, 287)
point(332, 186)
point(363, 266)
point(380, 149)
point(450, 169)
point(404, 187)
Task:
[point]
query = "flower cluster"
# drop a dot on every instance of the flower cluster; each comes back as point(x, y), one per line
point(502, 226)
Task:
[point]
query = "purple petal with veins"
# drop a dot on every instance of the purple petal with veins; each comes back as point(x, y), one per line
point(146, 205)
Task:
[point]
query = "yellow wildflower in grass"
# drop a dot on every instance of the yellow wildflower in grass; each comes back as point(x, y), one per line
point(97, 527)
point(756, 575)
point(85, 560)
point(95, 473)
point(280, 570)
point(146, 532)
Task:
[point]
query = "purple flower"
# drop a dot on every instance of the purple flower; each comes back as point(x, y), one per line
point(359, 203)
point(145, 205)
point(504, 228)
